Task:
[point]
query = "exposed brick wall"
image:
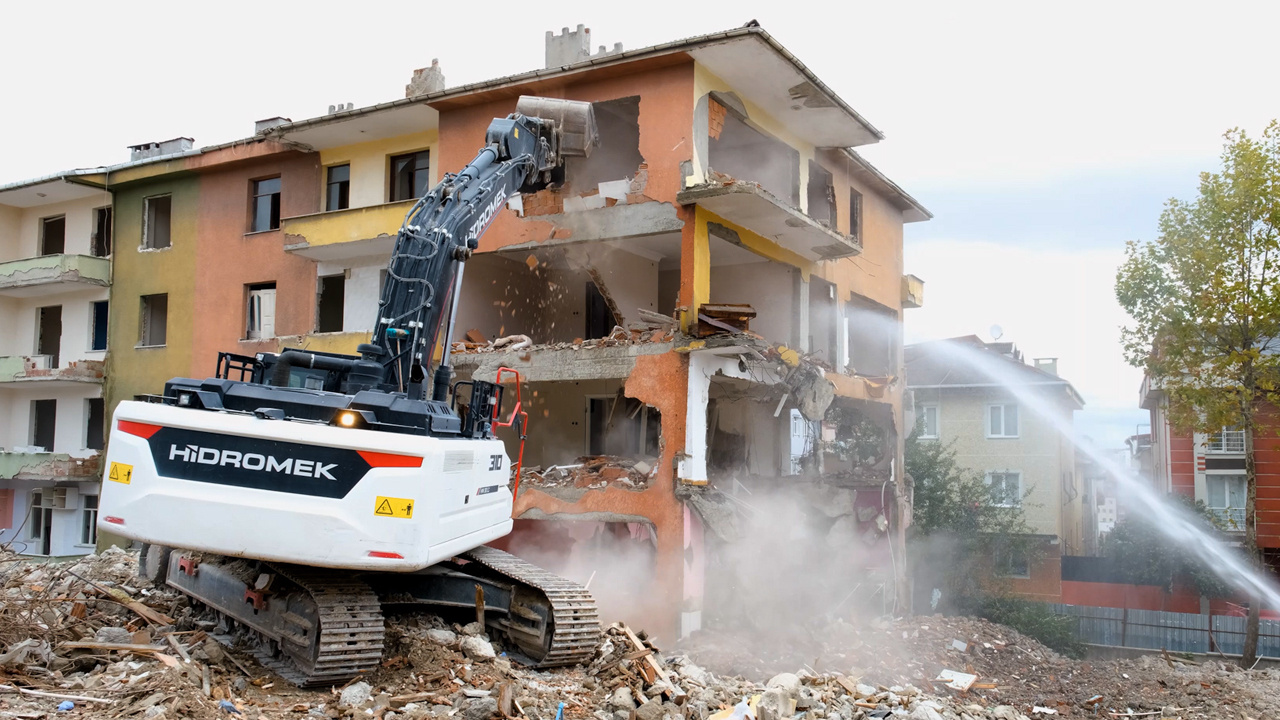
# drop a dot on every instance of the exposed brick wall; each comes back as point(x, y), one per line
point(715, 119)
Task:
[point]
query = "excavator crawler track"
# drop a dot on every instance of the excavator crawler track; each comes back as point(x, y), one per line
point(351, 630)
point(574, 619)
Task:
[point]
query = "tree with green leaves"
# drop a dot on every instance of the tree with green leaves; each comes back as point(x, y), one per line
point(1144, 555)
point(1205, 302)
point(957, 525)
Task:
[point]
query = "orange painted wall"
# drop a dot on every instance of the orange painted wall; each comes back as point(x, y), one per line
point(229, 257)
point(666, 123)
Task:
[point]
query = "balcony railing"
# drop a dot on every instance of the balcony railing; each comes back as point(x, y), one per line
point(1228, 442)
point(1232, 519)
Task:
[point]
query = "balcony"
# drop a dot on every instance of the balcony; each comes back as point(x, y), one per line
point(1228, 442)
point(50, 274)
point(756, 209)
point(1231, 519)
point(39, 368)
point(48, 466)
point(345, 234)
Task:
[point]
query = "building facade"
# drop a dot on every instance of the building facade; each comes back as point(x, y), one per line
point(685, 308)
point(55, 269)
point(1210, 467)
point(1011, 422)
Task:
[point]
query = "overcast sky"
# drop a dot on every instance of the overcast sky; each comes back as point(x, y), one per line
point(1041, 135)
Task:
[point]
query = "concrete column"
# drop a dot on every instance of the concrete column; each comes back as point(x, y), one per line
point(801, 321)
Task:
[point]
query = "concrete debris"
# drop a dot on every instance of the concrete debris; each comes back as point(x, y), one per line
point(52, 616)
point(477, 648)
point(595, 472)
point(618, 337)
point(356, 695)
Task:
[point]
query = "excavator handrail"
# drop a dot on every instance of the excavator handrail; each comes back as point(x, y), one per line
point(521, 427)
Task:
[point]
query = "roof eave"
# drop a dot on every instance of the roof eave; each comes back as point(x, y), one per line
point(566, 70)
point(912, 210)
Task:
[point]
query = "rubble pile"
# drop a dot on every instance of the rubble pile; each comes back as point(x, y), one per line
point(593, 473)
point(631, 335)
point(89, 639)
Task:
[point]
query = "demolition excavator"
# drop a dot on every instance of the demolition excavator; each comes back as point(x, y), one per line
point(300, 495)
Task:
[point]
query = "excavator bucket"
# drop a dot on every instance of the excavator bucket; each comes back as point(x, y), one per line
point(575, 122)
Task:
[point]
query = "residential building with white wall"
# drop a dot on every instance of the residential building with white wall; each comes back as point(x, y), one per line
point(55, 245)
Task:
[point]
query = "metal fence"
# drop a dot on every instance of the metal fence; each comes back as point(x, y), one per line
point(1175, 632)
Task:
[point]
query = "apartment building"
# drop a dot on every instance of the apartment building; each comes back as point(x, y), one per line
point(1210, 467)
point(688, 296)
point(1025, 457)
point(55, 269)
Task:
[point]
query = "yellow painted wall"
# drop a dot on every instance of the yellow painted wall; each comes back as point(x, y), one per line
point(339, 226)
point(136, 272)
point(370, 164)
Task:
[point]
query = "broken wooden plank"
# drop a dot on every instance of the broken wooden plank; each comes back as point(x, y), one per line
point(847, 684)
point(177, 647)
point(119, 647)
point(400, 701)
point(55, 696)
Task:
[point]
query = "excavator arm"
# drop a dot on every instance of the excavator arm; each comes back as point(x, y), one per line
point(442, 230)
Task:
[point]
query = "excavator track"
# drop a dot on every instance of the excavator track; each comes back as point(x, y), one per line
point(351, 630)
point(319, 627)
point(574, 620)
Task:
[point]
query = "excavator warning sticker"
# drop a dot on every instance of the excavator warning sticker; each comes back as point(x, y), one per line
point(393, 507)
point(120, 473)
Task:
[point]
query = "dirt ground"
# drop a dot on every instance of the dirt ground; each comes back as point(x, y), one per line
point(90, 637)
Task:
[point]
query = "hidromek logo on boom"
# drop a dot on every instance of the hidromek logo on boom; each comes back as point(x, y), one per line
point(251, 461)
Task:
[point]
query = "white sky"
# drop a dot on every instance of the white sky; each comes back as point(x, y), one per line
point(1041, 135)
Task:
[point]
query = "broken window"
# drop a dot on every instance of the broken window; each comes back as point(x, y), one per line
point(821, 195)
point(153, 321)
point(266, 205)
point(873, 335)
point(100, 243)
point(600, 320)
point(44, 423)
point(928, 422)
point(822, 320)
point(155, 231)
point(1002, 421)
point(338, 188)
point(88, 519)
point(618, 155)
point(98, 316)
point(6, 508)
point(260, 309)
point(745, 153)
point(49, 333)
point(41, 521)
point(622, 426)
point(329, 303)
point(410, 175)
point(1005, 487)
point(95, 414)
point(53, 235)
point(855, 215)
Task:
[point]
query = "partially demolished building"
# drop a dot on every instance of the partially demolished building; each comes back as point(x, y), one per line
point(706, 312)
